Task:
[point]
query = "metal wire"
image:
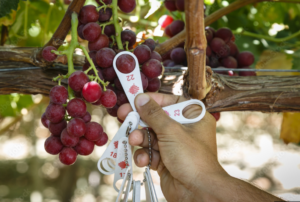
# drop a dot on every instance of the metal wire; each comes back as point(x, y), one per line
point(58, 67)
point(239, 69)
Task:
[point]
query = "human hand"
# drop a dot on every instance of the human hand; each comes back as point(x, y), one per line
point(185, 156)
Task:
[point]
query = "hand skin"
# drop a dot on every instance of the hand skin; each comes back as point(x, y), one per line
point(185, 156)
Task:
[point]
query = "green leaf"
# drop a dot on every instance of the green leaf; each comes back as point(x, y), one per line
point(5, 107)
point(24, 102)
point(296, 59)
point(6, 6)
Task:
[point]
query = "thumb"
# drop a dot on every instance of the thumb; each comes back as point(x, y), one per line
point(154, 115)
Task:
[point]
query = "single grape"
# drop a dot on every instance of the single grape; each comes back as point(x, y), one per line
point(45, 121)
point(153, 85)
point(176, 26)
point(87, 117)
point(56, 128)
point(129, 36)
point(167, 55)
point(79, 30)
point(126, 5)
point(144, 81)
point(76, 108)
point(53, 145)
point(180, 5)
point(55, 113)
point(143, 53)
point(103, 140)
point(125, 63)
point(91, 91)
point(217, 115)
point(47, 55)
point(110, 30)
point(58, 95)
point(118, 84)
point(225, 34)
point(68, 140)
point(229, 62)
point(88, 14)
point(156, 55)
point(121, 98)
point(178, 55)
point(93, 131)
point(168, 31)
point(213, 31)
point(91, 31)
point(105, 57)
point(150, 43)
point(170, 5)
point(216, 44)
point(68, 156)
point(245, 59)
point(208, 51)
point(76, 127)
point(105, 14)
point(77, 80)
point(233, 48)
point(214, 61)
point(84, 146)
point(109, 74)
point(152, 68)
point(113, 111)
point(169, 63)
point(247, 73)
point(108, 99)
point(101, 42)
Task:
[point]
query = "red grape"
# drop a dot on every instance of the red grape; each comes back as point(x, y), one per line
point(68, 140)
point(47, 55)
point(144, 81)
point(79, 31)
point(91, 91)
point(125, 63)
point(128, 35)
point(126, 5)
point(169, 63)
point(87, 117)
point(150, 43)
point(245, 59)
point(229, 62)
point(105, 57)
point(214, 61)
point(102, 141)
point(178, 55)
point(67, 2)
point(91, 31)
point(110, 30)
point(170, 5)
point(55, 113)
point(143, 53)
point(101, 42)
point(152, 68)
point(153, 85)
point(113, 111)
point(217, 115)
point(208, 51)
point(68, 156)
point(93, 131)
point(76, 108)
point(216, 44)
point(247, 73)
point(58, 95)
point(121, 98)
point(45, 121)
point(233, 48)
point(180, 5)
point(176, 26)
point(56, 128)
point(118, 84)
point(84, 146)
point(109, 74)
point(104, 14)
point(76, 127)
point(53, 145)
point(168, 31)
point(88, 14)
point(225, 34)
point(156, 55)
point(108, 98)
point(77, 80)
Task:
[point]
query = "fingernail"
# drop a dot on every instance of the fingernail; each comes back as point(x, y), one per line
point(142, 99)
point(139, 158)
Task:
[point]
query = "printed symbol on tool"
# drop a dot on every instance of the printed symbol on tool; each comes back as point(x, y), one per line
point(133, 89)
point(167, 113)
point(177, 112)
point(130, 77)
point(123, 165)
point(116, 144)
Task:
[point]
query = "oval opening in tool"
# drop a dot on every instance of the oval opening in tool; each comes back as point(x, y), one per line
point(192, 111)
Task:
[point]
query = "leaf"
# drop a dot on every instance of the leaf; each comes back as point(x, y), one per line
point(290, 130)
point(296, 59)
point(24, 102)
point(5, 107)
point(9, 19)
point(6, 6)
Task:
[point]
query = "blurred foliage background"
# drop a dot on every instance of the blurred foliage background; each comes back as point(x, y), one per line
point(249, 144)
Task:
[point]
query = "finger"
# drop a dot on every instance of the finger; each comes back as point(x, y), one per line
point(152, 113)
point(141, 158)
point(161, 99)
point(140, 138)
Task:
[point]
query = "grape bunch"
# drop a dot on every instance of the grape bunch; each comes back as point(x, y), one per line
point(69, 122)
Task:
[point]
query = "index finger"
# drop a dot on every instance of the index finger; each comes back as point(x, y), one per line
point(162, 99)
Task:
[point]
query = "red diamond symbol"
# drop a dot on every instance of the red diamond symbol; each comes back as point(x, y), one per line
point(123, 165)
point(133, 89)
